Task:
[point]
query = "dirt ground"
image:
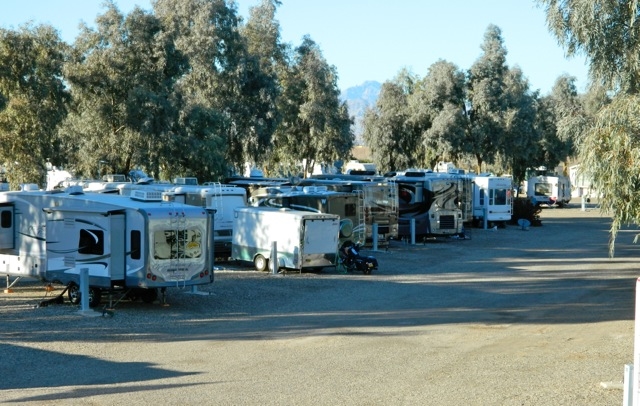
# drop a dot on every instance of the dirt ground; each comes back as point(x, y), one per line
point(506, 317)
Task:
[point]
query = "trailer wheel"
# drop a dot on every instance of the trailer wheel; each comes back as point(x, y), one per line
point(75, 297)
point(74, 293)
point(148, 295)
point(261, 263)
point(95, 297)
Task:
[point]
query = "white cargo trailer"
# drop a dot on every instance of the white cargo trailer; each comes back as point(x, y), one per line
point(303, 239)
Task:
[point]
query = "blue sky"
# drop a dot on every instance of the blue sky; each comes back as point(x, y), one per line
point(373, 39)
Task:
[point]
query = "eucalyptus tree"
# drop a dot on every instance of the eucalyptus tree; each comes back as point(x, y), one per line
point(121, 78)
point(388, 130)
point(486, 97)
point(518, 147)
point(266, 57)
point(570, 116)
point(315, 125)
point(608, 35)
point(436, 108)
point(212, 90)
point(33, 101)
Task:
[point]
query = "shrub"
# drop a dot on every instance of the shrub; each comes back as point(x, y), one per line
point(523, 208)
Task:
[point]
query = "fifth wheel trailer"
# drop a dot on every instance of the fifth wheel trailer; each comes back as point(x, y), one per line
point(303, 239)
point(136, 244)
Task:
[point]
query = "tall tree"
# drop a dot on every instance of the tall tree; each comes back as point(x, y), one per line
point(486, 87)
point(388, 130)
point(265, 59)
point(121, 78)
point(521, 135)
point(315, 126)
point(436, 109)
point(212, 120)
point(608, 35)
point(33, 101)
point(606, 32)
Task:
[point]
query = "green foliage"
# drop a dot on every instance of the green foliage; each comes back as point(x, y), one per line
point(315, 126)
point(486, 94)
point(608, 35)
point(32, 101)
point(606, 32)
point(387, 128)
point(610, 153)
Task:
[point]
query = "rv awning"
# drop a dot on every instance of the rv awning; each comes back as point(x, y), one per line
point(103, 211)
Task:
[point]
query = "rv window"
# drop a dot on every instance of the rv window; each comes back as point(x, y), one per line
point(136, 246)
point(169, 244)
point(5, 219)
point(543, 189)
point(500, 197)
point(481, 197)
point(91, 242)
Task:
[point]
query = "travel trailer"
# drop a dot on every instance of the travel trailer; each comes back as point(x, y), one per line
point(549, 190)
point(134, 245)
point(380, 204)
point(434, 201)
point(222, 200)
point(303, 240)
point(492, 198)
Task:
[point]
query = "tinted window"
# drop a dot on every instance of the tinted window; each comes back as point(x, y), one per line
point(136, 250)
point(91, 242)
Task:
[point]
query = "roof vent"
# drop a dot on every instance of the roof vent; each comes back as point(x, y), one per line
point(75, 190)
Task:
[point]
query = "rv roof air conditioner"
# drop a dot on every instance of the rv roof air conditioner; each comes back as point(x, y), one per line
point(146, 195)
point(314, 189)
point(29, 186)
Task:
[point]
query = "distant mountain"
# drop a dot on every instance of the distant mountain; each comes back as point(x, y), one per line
point(358, 99)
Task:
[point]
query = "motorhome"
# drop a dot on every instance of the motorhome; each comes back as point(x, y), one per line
point(433, 202)
point(492, 199)
point(135, 244)
point(303, 240)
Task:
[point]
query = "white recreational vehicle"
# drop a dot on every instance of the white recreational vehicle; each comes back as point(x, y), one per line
point(492, 198)
point(134, 244)
point(222, 200)
point(349, 206)
point(380, 202)
point(303, 239)
point(434, 201)
point(549, 190)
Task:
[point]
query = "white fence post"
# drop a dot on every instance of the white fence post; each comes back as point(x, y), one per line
point(374, 234)
point(413, 231)
point(627, 397)
point(273, 261)
point(84, 289)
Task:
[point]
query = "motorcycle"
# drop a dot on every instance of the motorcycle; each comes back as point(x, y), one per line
point(353, 261)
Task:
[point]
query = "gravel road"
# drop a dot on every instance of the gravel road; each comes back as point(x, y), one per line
point(506, 317)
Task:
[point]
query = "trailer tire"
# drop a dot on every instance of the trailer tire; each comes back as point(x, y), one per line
point(95, 296)
point(261, 263)
point(73, 291)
